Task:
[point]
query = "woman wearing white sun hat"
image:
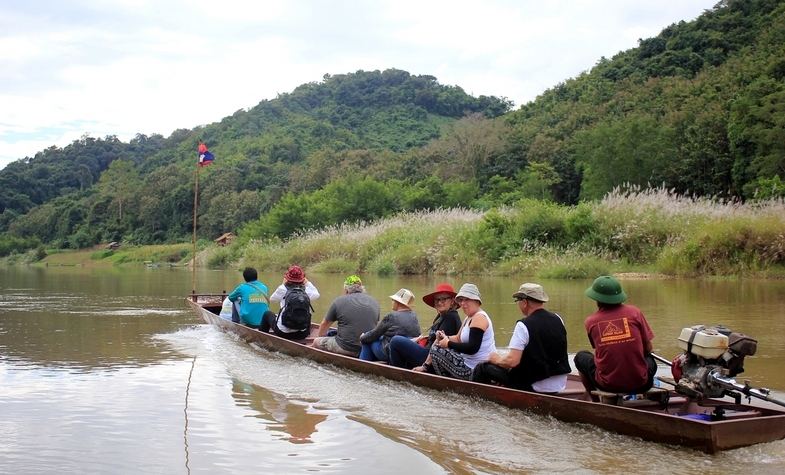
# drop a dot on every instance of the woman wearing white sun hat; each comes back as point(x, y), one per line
point(402, 320)
point(456, 356)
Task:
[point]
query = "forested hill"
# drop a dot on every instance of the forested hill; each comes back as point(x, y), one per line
point(103, 189)
point(700, 109)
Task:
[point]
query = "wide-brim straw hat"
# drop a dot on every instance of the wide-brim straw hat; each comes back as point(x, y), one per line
point(531, 291)
point(469, 291)
point(404, 297)
point(443, 288)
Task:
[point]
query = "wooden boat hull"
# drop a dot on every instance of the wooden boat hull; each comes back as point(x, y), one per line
point(746, 425)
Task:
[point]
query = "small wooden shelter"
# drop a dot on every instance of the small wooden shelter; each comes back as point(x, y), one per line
point(225, 239)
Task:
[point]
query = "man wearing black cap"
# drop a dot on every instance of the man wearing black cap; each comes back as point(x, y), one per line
point(537, 360)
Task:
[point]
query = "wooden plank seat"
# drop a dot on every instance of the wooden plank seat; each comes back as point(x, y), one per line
point(660, 395)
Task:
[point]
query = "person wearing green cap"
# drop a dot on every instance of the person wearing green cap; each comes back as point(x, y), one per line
point(355, 313)
point(621, 337)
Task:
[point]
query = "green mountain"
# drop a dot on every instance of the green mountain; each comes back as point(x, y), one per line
point(699, 109)
point(102, 189)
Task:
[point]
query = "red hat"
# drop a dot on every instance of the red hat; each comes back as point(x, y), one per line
point(442, 288)
point(295, 275)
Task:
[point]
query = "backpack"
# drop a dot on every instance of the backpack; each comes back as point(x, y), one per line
point(297, 309)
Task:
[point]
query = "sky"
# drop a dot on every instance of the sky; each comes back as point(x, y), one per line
point(127, 67)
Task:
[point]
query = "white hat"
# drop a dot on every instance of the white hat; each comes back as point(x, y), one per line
point(469, 291)
point(531, 291)
point(403, 296)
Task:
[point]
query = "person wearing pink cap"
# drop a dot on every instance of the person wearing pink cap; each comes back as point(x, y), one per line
point(295, 287)
point(412, 352)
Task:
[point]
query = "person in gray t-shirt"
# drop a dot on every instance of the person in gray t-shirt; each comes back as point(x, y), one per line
point(356, 312)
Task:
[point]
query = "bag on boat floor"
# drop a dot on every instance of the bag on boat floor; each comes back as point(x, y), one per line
point(297, 309)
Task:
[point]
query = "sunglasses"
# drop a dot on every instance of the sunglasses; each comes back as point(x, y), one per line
point(520, 299)
point(441, 299)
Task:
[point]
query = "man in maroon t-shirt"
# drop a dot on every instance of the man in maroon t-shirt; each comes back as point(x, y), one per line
point(621, 337)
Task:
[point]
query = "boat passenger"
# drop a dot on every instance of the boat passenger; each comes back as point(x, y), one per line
point(402, 321)
point(253, 298)
point(537, 360)
point(299, 291)
point(355, 312)
point(411, 352)
point(456, 356)
point(621, 337)
point(229, 311)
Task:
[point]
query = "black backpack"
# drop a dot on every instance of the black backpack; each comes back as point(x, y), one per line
point(297, 309)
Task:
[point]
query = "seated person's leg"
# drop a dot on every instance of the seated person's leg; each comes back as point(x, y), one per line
point(328, 343)
point(366, 352)
point(449, 363)
point(584, 363)
point(268, 321)
point(301, 335)
point(378, 351)
point(490, 373)
point(404, 353)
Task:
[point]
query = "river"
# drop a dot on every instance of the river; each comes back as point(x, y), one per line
point(105, 370)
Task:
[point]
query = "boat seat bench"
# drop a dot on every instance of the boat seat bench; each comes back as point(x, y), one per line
point(659, 395)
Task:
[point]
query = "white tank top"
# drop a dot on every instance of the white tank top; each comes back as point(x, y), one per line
point(487, 346)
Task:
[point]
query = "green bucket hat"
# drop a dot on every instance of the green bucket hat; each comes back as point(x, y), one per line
point(606, 289)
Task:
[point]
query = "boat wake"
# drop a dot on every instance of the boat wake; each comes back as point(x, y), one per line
point(457, 432)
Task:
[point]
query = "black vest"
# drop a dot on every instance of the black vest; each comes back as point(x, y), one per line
point(546, 353)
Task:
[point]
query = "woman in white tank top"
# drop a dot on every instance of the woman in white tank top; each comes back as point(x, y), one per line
point(456, 356)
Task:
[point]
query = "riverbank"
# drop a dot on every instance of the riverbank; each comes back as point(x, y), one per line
point(98, 256)
point(637, 234)
point(654, 232)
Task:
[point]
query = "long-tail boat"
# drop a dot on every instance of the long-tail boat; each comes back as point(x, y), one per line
point(664, 416)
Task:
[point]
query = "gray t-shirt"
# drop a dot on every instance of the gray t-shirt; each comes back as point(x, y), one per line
point(355, 313)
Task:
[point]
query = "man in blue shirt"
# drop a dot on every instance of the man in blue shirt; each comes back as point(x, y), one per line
point(253, 297)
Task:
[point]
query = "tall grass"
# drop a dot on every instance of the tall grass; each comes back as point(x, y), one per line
point(628, 230)
point(405, 243)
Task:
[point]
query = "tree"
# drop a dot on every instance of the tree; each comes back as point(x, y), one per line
point(121, 182)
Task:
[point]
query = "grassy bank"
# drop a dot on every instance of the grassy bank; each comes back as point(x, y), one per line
point(174, 254)
point(651, 232)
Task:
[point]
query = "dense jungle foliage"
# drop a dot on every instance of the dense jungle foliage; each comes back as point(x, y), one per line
point(698, 109)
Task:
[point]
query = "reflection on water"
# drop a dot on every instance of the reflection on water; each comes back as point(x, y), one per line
point(95, 365)
point(297, 421)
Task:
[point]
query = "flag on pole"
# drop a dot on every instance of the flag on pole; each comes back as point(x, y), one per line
point(205, 157)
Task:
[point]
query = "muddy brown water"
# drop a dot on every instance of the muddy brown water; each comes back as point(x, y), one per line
point(107, 371)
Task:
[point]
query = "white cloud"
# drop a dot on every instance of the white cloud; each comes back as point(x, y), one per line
point(141, 66)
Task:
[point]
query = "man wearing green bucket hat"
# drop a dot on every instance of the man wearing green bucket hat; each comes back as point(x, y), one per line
point(621, 337)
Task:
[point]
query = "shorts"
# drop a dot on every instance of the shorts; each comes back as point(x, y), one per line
point(328, 343)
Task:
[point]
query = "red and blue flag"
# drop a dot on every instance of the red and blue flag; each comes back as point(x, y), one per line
point(205, 157)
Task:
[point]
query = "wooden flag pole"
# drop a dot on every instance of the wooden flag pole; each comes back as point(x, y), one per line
point(193, 239)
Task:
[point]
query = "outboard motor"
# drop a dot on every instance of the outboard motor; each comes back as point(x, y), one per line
point(712, 357)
